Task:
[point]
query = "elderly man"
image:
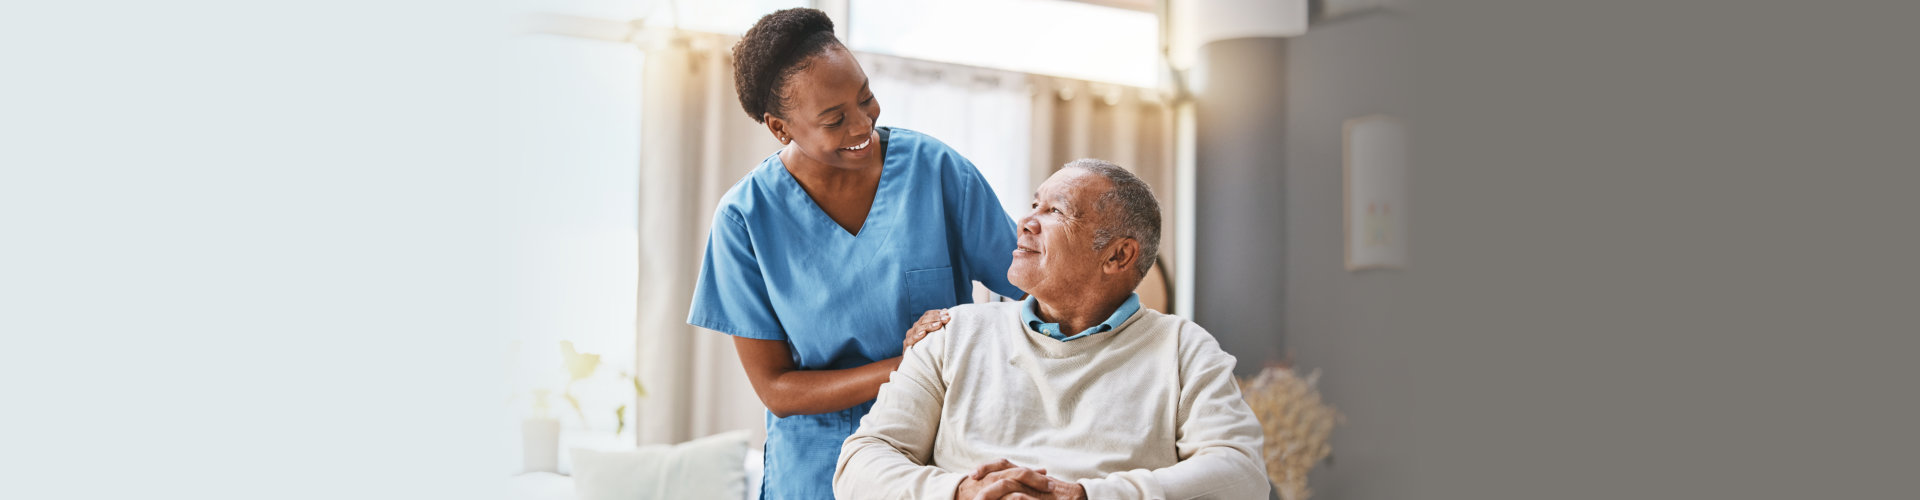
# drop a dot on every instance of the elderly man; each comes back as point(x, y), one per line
point(1075, 392)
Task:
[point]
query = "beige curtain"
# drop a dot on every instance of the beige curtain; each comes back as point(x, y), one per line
point(695, 143)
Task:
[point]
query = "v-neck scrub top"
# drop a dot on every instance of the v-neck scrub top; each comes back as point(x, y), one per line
point(778, 268)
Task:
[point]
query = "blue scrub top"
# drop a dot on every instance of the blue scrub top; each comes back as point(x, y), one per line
point(778, 268)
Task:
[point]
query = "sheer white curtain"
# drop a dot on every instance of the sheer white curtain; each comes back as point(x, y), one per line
point(984, 114)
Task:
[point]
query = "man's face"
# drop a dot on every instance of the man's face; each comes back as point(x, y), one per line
point(1055, 252)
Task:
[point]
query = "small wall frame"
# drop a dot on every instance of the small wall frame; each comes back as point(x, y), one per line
point(1374, 174)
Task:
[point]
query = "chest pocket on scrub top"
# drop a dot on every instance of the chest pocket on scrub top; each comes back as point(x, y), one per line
point(929, 289)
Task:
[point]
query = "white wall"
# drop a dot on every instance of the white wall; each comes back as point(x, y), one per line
point(571, 216)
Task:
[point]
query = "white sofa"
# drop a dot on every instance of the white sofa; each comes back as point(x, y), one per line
point(551, 486)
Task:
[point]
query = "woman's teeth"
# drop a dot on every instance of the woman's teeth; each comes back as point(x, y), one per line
point(862, 145)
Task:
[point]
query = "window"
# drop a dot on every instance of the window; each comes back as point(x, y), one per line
point(1048, 37)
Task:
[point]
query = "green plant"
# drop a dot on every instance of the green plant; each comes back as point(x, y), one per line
point(582, 365)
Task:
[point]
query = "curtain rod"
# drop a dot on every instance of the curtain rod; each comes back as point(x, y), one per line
point(542, 23)
point(637, 32)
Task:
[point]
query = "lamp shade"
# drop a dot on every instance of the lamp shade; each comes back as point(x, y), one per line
point(1198, 22)
point(1229, 19)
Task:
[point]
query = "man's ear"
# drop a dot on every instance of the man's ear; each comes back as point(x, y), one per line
point(1121, 256)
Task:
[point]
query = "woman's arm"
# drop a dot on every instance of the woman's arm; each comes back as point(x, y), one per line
point(787, 390)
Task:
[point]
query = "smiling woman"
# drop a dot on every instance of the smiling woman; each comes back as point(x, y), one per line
point(839, 250)
point(831, 151)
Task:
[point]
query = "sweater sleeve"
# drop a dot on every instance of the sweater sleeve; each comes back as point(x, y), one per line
point(887, 456)
point(1218, 438)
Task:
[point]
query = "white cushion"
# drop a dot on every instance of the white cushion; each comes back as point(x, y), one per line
point(709, 467)
point(756, 466)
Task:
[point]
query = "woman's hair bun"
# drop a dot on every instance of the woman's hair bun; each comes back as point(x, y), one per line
point(772, 51)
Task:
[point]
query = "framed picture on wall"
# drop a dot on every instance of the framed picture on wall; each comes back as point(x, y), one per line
point(1374, 164)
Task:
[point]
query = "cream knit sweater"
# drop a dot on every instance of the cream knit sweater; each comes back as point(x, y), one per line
point(1148, 410)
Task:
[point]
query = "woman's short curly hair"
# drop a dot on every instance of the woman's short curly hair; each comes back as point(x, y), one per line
point(772, 52)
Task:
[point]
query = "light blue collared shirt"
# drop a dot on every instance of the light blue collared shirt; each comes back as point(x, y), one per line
point(1031, 313)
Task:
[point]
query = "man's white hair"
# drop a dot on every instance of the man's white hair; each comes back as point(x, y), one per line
point(1128, 210)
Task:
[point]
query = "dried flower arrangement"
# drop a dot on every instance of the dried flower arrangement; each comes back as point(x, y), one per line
point(1296, 423)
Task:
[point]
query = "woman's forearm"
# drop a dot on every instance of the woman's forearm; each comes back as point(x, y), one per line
point(787, 390)
point(802, 392)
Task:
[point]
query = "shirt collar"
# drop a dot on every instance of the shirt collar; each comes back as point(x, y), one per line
point(1030, 312)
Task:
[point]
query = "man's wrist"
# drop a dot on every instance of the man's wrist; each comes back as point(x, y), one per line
point(960, 487)
point(1075, 491)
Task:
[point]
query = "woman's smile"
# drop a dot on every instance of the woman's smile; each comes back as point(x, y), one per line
point(858, 151)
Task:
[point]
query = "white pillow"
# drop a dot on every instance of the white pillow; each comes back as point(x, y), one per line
point(709, 467)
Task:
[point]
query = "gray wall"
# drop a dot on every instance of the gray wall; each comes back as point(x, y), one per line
point(1336, 320)
point(1663, 250)
point(1270, 278)
point(1658, 250)
point(1240, 209)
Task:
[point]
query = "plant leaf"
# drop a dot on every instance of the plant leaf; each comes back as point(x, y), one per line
point(580, 365)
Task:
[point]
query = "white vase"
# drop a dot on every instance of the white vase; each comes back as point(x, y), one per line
point(540, 445)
